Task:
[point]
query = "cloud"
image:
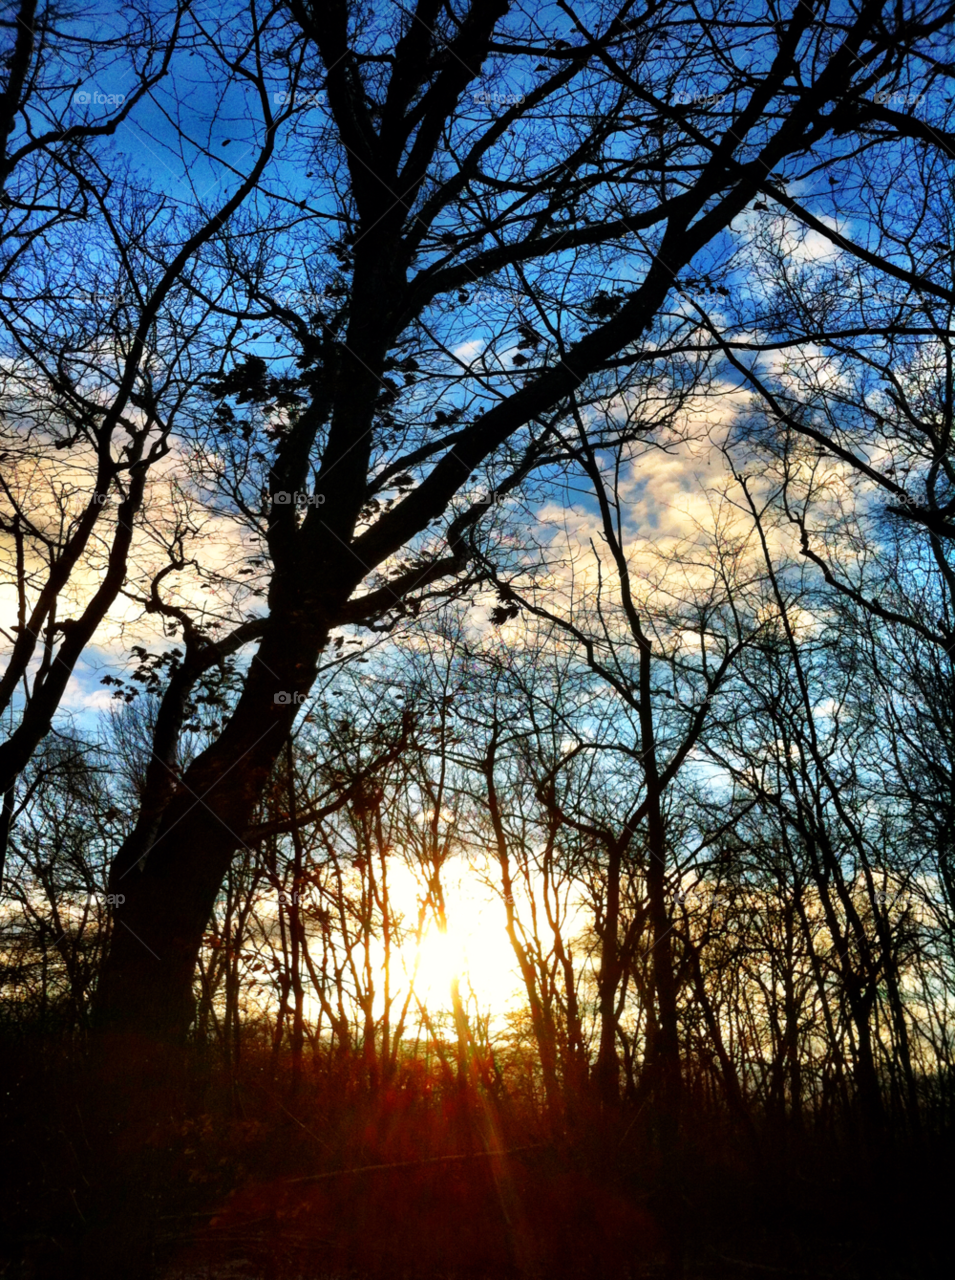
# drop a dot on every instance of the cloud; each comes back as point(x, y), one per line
point(84, 698)
point(469, 352)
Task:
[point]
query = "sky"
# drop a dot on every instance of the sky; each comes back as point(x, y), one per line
point(220, 120)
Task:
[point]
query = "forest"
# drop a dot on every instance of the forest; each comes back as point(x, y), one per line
point(477, 639)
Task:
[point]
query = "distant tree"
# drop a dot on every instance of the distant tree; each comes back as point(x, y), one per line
point(55, 924)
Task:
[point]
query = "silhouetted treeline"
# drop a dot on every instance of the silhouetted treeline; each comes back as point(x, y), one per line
point(475, 477)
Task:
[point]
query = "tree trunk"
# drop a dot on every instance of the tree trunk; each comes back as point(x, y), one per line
point(666, 1069)
point(146, 981)
point(606, 1072)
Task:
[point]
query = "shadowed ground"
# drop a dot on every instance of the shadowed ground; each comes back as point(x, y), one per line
point(223, 1176)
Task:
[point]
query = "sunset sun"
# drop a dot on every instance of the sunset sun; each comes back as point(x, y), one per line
point(473, 947)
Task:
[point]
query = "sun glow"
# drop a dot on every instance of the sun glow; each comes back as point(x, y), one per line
point(441, 958)
point(473, 948)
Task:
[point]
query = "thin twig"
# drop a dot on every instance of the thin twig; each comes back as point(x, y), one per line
point(408, 1164)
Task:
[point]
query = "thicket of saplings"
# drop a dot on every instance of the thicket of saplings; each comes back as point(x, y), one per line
point(336, 1104)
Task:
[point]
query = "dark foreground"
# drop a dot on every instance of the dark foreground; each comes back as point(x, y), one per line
point(241, 1175)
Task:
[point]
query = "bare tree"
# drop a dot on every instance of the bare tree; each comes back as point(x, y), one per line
point(101, 337)
point(406, 237)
